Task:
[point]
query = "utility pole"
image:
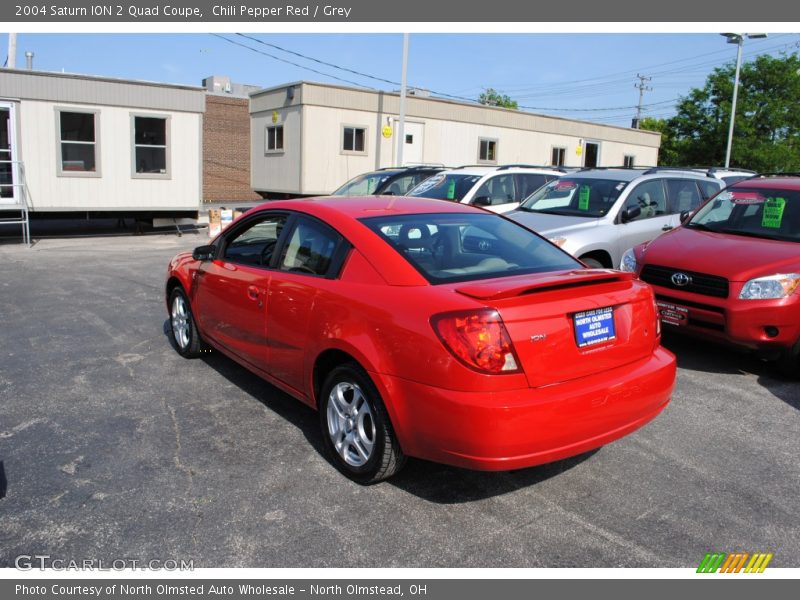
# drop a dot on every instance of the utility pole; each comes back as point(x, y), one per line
point(401, 130)
point(643, 87)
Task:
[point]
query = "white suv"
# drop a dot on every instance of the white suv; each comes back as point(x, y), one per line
point(597, 214)
point(499, 189)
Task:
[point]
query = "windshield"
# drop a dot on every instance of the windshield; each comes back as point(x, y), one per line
point(364, 185)
point(450, 247)
point(765, 213)
point(591, 198)
point(450, 186)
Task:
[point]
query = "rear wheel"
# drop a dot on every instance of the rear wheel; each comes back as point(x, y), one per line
point(356, 430)
point(182, 326)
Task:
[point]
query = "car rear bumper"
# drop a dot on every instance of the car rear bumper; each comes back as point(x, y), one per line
point(521, 428)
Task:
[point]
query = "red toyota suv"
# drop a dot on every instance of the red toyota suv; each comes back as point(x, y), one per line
point(730, 273)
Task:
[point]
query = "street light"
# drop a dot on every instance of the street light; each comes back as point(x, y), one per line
point(738, 39)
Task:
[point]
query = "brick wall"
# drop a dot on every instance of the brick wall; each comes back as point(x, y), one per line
point(226, 150)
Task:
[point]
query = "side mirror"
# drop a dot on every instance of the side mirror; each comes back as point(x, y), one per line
point(481, 201)
point(629, 214)
point(204, 252)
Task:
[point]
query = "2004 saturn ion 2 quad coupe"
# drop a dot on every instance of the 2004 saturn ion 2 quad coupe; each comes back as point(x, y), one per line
point(425, 328)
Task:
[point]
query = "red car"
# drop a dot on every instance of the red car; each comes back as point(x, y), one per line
point(731, 272)
point(425, 328)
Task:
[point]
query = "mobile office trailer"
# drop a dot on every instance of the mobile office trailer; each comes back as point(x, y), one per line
point(84, 145)
point(310, 138)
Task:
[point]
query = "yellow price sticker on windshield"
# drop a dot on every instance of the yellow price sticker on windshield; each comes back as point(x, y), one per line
point(772, 217)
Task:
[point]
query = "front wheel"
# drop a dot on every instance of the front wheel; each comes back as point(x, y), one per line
point(182, 326)
point(356, 430)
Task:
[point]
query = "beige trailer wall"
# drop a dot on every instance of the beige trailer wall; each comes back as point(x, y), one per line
point(115, 187)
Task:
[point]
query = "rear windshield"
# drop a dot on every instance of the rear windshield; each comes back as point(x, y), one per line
point(364, 185)
point(447, 247)
point(451, 186)
point(582, 197)
point(752, 212)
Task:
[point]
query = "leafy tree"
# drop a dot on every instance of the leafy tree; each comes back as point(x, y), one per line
point(492, 97)
point(766, 133)
point(667, 155)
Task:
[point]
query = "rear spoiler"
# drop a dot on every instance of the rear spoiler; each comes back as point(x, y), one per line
point(510, 287)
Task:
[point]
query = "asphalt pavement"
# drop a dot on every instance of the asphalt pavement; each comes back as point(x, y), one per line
point(112, 446)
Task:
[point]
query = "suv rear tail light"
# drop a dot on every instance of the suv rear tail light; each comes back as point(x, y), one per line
point(478, 339)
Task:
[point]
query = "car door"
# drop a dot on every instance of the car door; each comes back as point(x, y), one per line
point(308, 265)
point(230, 295)
point(654, 218)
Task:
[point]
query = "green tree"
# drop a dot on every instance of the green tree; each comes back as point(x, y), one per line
point(492, 97)
point(667, 154)
point(766, 134)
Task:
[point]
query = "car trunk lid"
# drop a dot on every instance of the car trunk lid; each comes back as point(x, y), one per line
point(570, 324)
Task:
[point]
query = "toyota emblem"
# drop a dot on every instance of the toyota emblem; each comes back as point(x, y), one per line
point(681, 279)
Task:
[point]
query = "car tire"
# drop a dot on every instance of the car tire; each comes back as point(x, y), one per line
point(592, 263)
point(182, 326)
point(356, 430)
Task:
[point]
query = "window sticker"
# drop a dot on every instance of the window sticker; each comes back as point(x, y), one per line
point(370, 185)
point(451, 189)
point(429, 183)
point(747, 198)
point(773, 213)
point(566, 185)
point(583, 197)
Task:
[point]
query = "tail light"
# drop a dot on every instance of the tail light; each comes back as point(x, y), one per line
point(478, 339)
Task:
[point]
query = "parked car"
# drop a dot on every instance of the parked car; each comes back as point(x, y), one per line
point(499, 189)
point(731, 272)
point(597, 214)
point(391, 181)
point(425, 328)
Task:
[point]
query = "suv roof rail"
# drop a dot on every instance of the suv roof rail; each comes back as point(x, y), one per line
point(471, 166)
point(634, 168)
point(715, 169)
point(423, 165)
point(690, 169)
point(524, 166)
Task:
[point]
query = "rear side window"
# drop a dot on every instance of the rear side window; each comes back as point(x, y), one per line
point(683, 195)
point(527, 183)
point(708, 188)
point(446, 247)
point(310, 249)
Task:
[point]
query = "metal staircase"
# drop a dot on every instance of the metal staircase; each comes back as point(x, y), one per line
point(19, 203)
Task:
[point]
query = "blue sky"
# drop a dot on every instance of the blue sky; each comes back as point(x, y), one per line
point(574, 75)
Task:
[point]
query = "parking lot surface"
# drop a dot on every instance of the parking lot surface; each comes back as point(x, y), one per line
point(112, 446)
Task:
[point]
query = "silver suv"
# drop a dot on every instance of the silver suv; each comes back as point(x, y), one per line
point(597, 214)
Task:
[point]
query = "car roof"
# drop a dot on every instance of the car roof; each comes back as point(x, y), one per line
point(358, 207)
point(769, 182)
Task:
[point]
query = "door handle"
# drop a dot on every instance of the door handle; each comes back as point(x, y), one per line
point(252, 292)
point(667, 228)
